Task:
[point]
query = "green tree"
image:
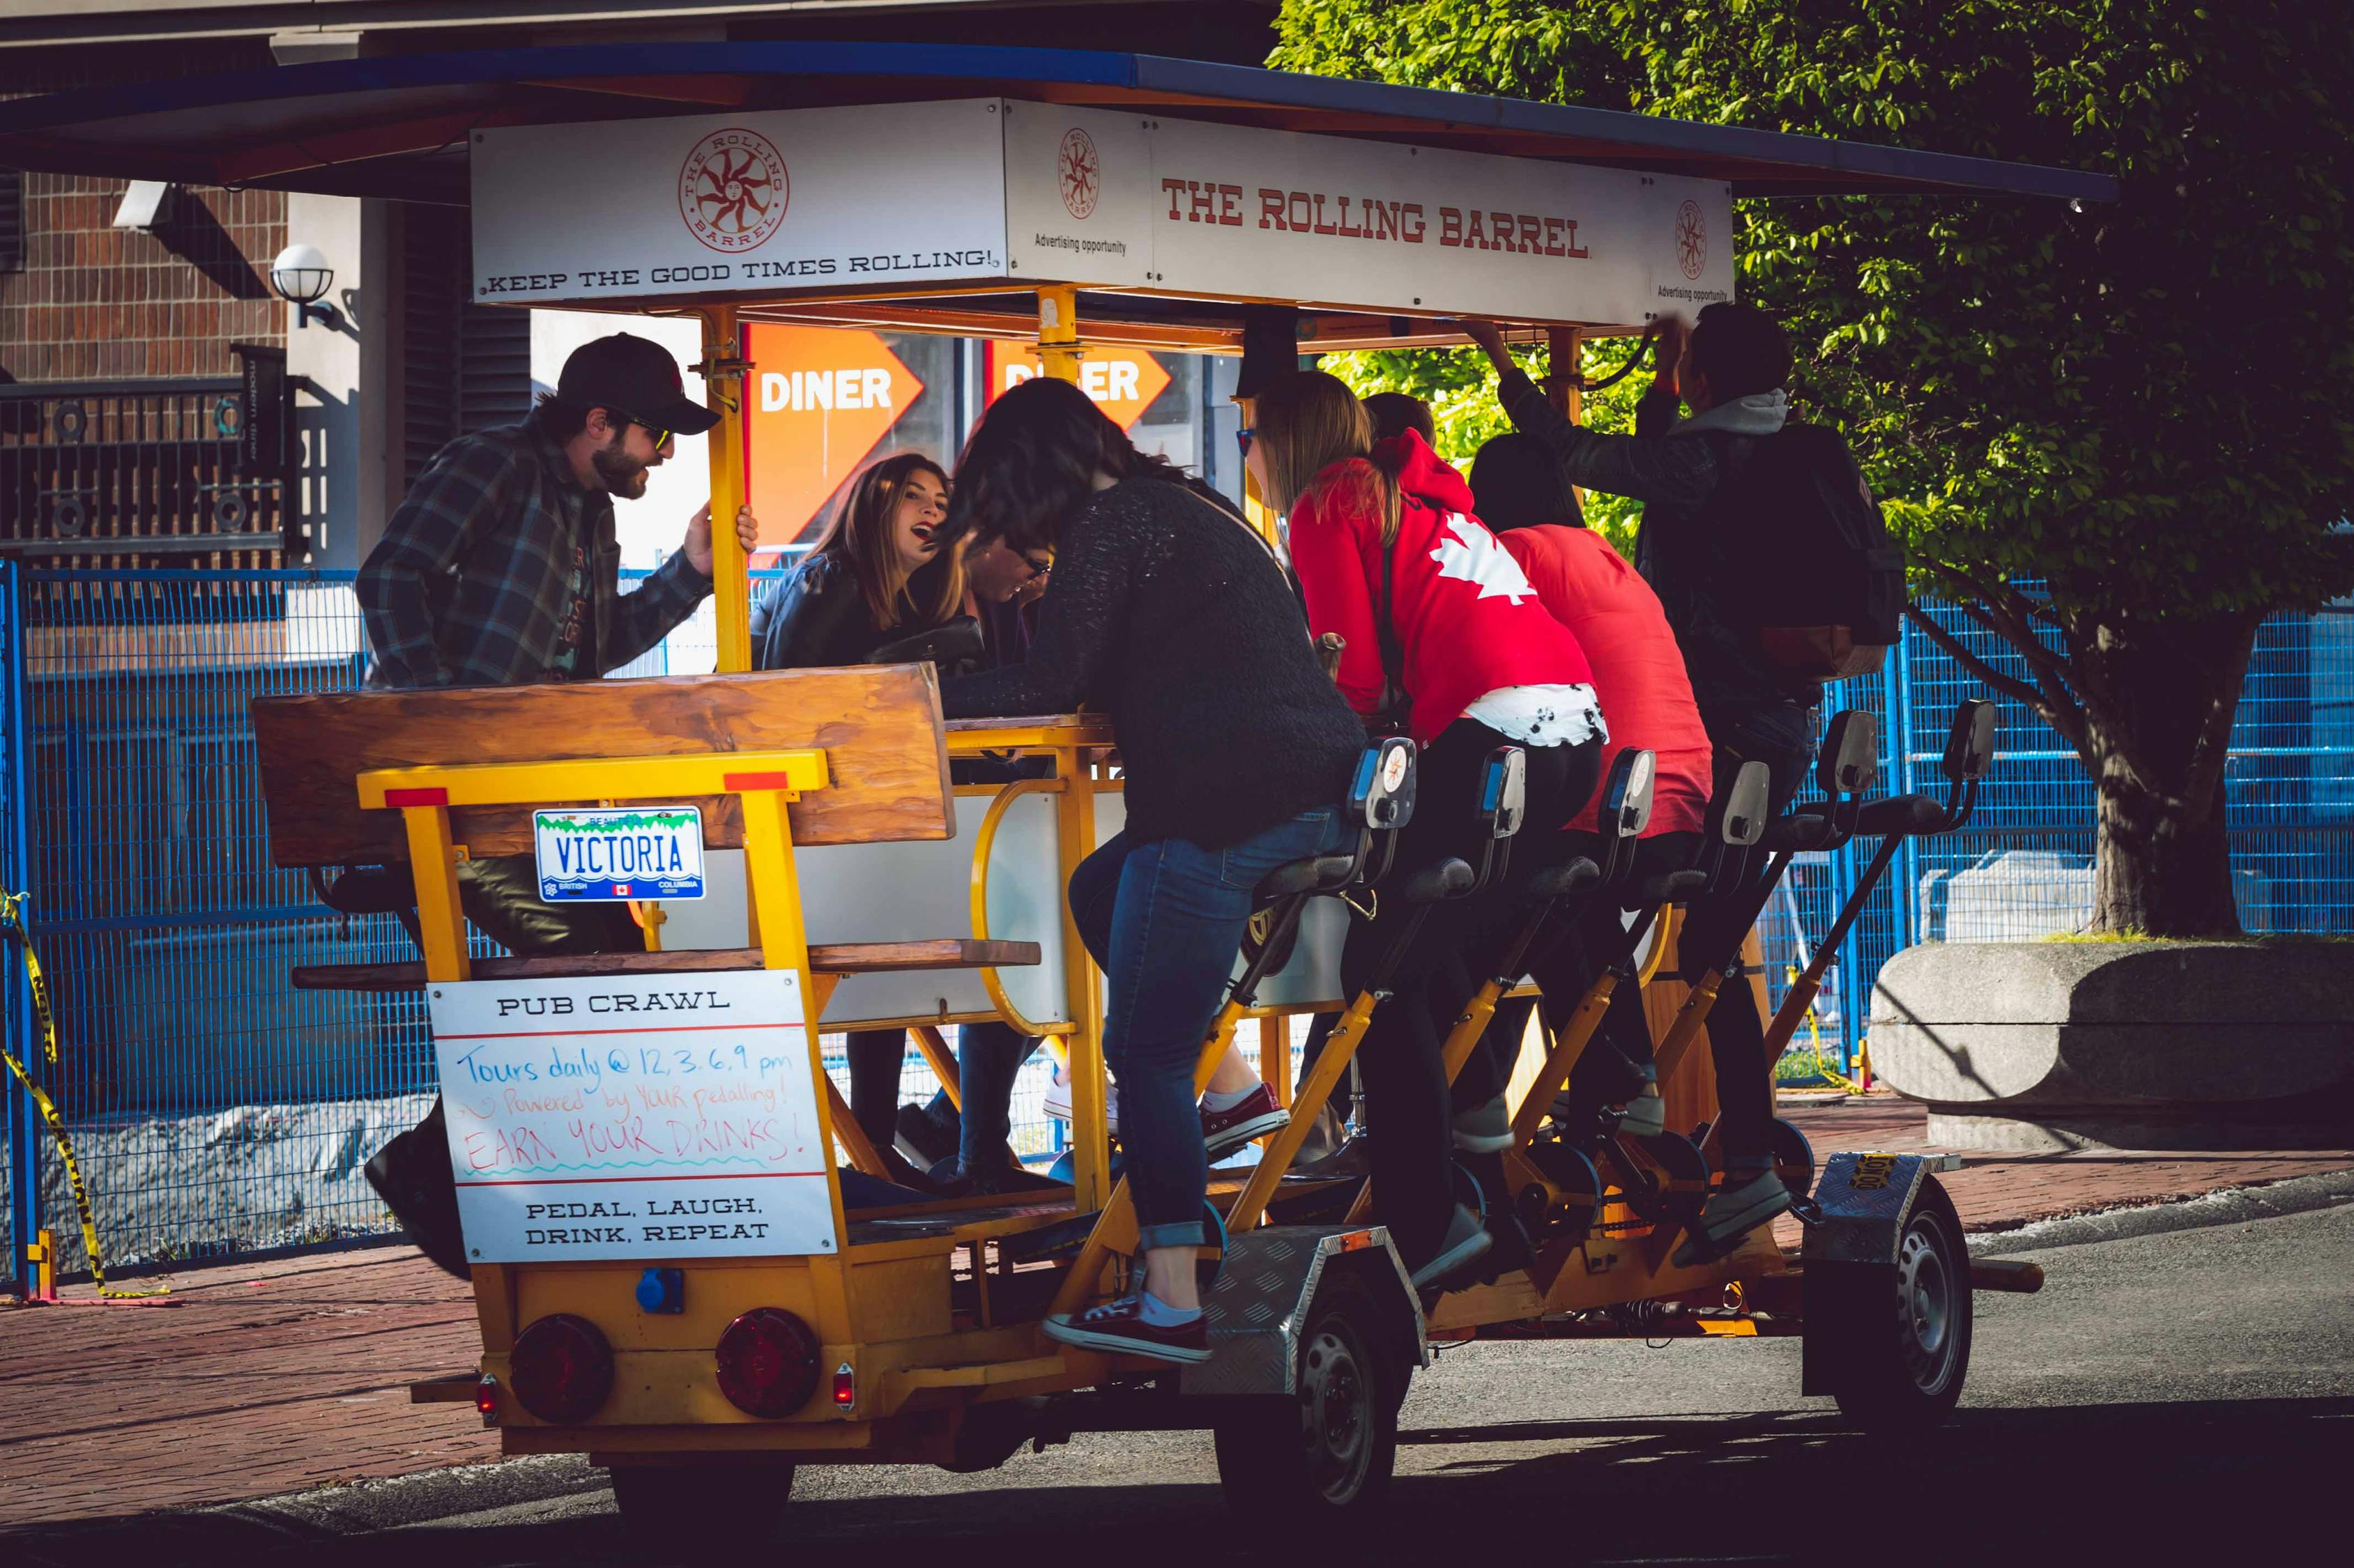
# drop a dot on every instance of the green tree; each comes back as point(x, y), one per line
point(1461, 391)
point(2121, 436)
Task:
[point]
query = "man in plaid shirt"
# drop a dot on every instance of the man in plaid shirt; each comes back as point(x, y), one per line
point(500, 568)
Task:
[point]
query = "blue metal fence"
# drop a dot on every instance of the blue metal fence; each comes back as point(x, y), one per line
point(217, 1110)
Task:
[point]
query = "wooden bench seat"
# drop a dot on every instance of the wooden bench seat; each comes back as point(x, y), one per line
point(825, 959)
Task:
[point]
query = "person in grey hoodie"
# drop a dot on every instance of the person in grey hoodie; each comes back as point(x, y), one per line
point(1731, 369)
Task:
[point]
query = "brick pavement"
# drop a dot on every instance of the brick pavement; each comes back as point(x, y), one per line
point(2003, 1192)
point(281, 1376)
point(270, 1377)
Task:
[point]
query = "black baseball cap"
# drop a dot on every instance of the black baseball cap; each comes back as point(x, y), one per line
point(639, 378)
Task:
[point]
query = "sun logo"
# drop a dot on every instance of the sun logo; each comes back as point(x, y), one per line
point(733, 189)
point(1692, 240)
point(1080, 172)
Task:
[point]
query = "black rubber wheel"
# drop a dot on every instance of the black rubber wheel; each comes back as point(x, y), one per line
point(1324, 1458)
point(1902, 1369)
point(686, 1510)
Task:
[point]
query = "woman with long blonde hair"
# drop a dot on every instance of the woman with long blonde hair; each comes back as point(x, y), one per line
point(1444, 636)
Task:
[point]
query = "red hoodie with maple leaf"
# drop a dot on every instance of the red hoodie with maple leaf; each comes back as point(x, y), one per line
point(1468, 621)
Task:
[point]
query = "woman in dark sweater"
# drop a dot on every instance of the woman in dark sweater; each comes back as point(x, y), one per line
point(1167, 612)
point(877, 573)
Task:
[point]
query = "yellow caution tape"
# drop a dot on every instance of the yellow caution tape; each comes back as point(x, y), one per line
point(12, 922)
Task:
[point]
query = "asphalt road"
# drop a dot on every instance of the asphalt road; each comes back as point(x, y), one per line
point(2166, 1397)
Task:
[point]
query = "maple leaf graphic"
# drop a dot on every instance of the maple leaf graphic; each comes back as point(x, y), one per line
point(1473, 555)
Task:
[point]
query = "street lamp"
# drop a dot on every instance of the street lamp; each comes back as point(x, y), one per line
point(302, 277)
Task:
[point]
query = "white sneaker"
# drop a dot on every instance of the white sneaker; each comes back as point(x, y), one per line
point(1057, 1101)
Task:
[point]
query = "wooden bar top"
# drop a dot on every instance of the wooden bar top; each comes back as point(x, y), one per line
point(828, 958)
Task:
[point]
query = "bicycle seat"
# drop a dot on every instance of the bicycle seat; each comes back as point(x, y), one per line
point(1561, 880)
point(1805, 828)
point(1900, 814)
point(1317, 873)
point(1673, 887)
point(1437, 883)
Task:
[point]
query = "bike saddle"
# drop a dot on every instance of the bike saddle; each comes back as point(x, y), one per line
point(1563, 880)
point(1317, 873)
point(1899, 815)
point(1437, 883)
point(1673, 887)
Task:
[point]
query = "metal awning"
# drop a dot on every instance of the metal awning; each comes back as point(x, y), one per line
point(398, 126)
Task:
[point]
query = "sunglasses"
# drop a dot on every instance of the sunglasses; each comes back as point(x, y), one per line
point(655, 433)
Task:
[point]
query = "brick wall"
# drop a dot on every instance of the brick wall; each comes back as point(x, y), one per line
point(95, 301)
point(99, 303)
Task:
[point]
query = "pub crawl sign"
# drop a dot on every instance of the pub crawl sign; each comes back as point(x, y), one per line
point(633, 1117)
point(825, 200)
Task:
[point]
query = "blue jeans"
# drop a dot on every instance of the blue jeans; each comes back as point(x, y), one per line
point(1165, 920)
point(989, 1057)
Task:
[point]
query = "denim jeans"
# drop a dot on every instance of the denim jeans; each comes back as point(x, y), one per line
point(1165, 919)
point(989, 1056)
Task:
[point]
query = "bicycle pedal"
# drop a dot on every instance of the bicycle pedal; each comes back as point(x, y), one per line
point(1807, 1212)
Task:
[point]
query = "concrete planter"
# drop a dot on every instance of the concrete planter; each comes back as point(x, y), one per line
point(2056, 1045)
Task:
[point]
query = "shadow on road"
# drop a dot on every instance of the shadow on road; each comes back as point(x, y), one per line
point(2080, 1483)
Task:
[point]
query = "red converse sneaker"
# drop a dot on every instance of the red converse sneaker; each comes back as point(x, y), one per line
point(1118, 1326)
point(1225, 1131)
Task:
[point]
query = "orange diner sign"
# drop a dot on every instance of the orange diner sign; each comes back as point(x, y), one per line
point(1123, 382)
point(817, 401)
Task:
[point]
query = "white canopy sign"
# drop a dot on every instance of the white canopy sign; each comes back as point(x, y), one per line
point(775, 203)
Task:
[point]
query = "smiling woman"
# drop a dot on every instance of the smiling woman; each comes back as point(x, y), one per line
point(876, 575)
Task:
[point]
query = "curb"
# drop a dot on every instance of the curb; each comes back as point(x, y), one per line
point(2228, 1205)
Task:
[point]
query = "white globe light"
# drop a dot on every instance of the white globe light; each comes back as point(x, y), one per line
point(301, 274)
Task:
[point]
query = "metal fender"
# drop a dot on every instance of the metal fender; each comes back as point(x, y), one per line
point(1866, 1200)
point(1260, 1305)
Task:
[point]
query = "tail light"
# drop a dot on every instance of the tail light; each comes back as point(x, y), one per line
point(486, 1400)
point(768, 1362)
point(561, 1368)
point(845, 1386)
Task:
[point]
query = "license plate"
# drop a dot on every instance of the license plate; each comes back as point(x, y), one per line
point(619, 853)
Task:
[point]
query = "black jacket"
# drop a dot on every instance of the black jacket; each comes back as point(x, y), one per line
point(816, 616)
point(1170, 614)
point(1685, 485)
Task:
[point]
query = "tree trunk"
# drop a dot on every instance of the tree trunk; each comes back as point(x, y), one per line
point(2155, 745)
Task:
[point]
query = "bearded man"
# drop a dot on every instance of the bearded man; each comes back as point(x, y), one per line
point(499, 570)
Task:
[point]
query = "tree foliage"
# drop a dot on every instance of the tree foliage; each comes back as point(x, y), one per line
point(2119, 434)
point(1460, 388)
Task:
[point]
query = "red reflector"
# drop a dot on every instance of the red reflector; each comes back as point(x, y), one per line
point(561, 1368)
point(758, 781)
point(768, 1362)
point(417, 797)
point(486, 1400)
point(845, 1386)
